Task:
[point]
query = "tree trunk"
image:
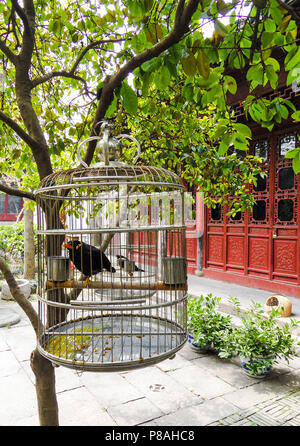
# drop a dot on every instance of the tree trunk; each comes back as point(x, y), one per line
point(29, 260)
point(45, 389)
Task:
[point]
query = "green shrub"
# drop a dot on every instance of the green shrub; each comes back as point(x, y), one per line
point(12, 240)
point(261, 336)
point(205, 323)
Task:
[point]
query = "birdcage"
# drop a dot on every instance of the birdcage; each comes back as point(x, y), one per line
point(112, 265)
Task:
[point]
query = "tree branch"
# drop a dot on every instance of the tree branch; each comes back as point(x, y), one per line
point(71, 73)
point(182, 20)
point(8, 53)
point(19, 297)
point(91, 46)
point(16, 192)
point(47, 77)
point(32, 143)
point(21, 13)
point(28, 19)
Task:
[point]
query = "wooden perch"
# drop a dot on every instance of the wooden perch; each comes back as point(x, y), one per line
point(158, 286)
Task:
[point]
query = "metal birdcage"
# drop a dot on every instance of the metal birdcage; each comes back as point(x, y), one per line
point(112, 265)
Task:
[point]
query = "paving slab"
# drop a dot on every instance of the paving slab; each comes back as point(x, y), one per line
point(160, 388)
point(187, 353)
point(65, 378)
point(28, 421)
point(172, 364)
point(3, 344)
point(110, 389)
point(200, 415)
point(226, 370)
point(17, 399)
point(291, 379)
point(294, 363)
point(9, 364)
point(78, 407)
point(134, 412)
point(201, 382)
point(257, 393)
point(21, 339)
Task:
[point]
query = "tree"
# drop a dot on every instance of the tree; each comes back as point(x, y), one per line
point(66, 67)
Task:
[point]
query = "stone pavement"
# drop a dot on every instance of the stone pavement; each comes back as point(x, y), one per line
point(190, 390)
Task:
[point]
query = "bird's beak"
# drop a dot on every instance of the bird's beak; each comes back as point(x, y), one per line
point(67, 245)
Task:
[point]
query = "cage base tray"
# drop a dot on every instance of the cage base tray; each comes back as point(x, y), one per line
point(112, 342)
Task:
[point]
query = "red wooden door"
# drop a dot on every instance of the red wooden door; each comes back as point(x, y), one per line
point(261, 248)
point(284, 215)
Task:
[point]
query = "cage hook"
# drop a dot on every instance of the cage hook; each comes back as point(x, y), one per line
point(108, 144)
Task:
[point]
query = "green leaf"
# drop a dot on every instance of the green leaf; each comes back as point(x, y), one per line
point(240, 142)
point(231, 84)
point(225, 144)
point(292, 153)
point(255, 73)
point(146, 82)
point(270, 25)
point(276, 13)
point(266, 38)
point(271, 76)
point(208, 83)
point(243, 130)
point(296, 163)
point(294, 75)
point(112, 108)
point(294, 62)
point(223, 147)
point(154, 33)
point(220, 28)
point(189, 65)
point(296, 115)
point(152, 64)
point(129, 99)
point(284, 112)
point(135, 8)
point(148, 5)
point(273, 62)
point(283, 25)
point(220, 130)
point(163, 78)
point(203, 64)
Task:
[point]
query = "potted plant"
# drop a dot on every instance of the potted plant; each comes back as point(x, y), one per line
point(260, 342)
point(206, 326)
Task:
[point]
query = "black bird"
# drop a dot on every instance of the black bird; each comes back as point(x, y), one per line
point(121, 260)
point(87, 258)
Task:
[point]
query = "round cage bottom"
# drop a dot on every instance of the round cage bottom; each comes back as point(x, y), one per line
point(112, 342)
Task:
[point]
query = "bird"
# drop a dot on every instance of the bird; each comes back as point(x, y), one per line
point(88, 259)
point(121, 262)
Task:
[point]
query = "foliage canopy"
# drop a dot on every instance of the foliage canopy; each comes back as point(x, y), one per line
point(161, 70)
